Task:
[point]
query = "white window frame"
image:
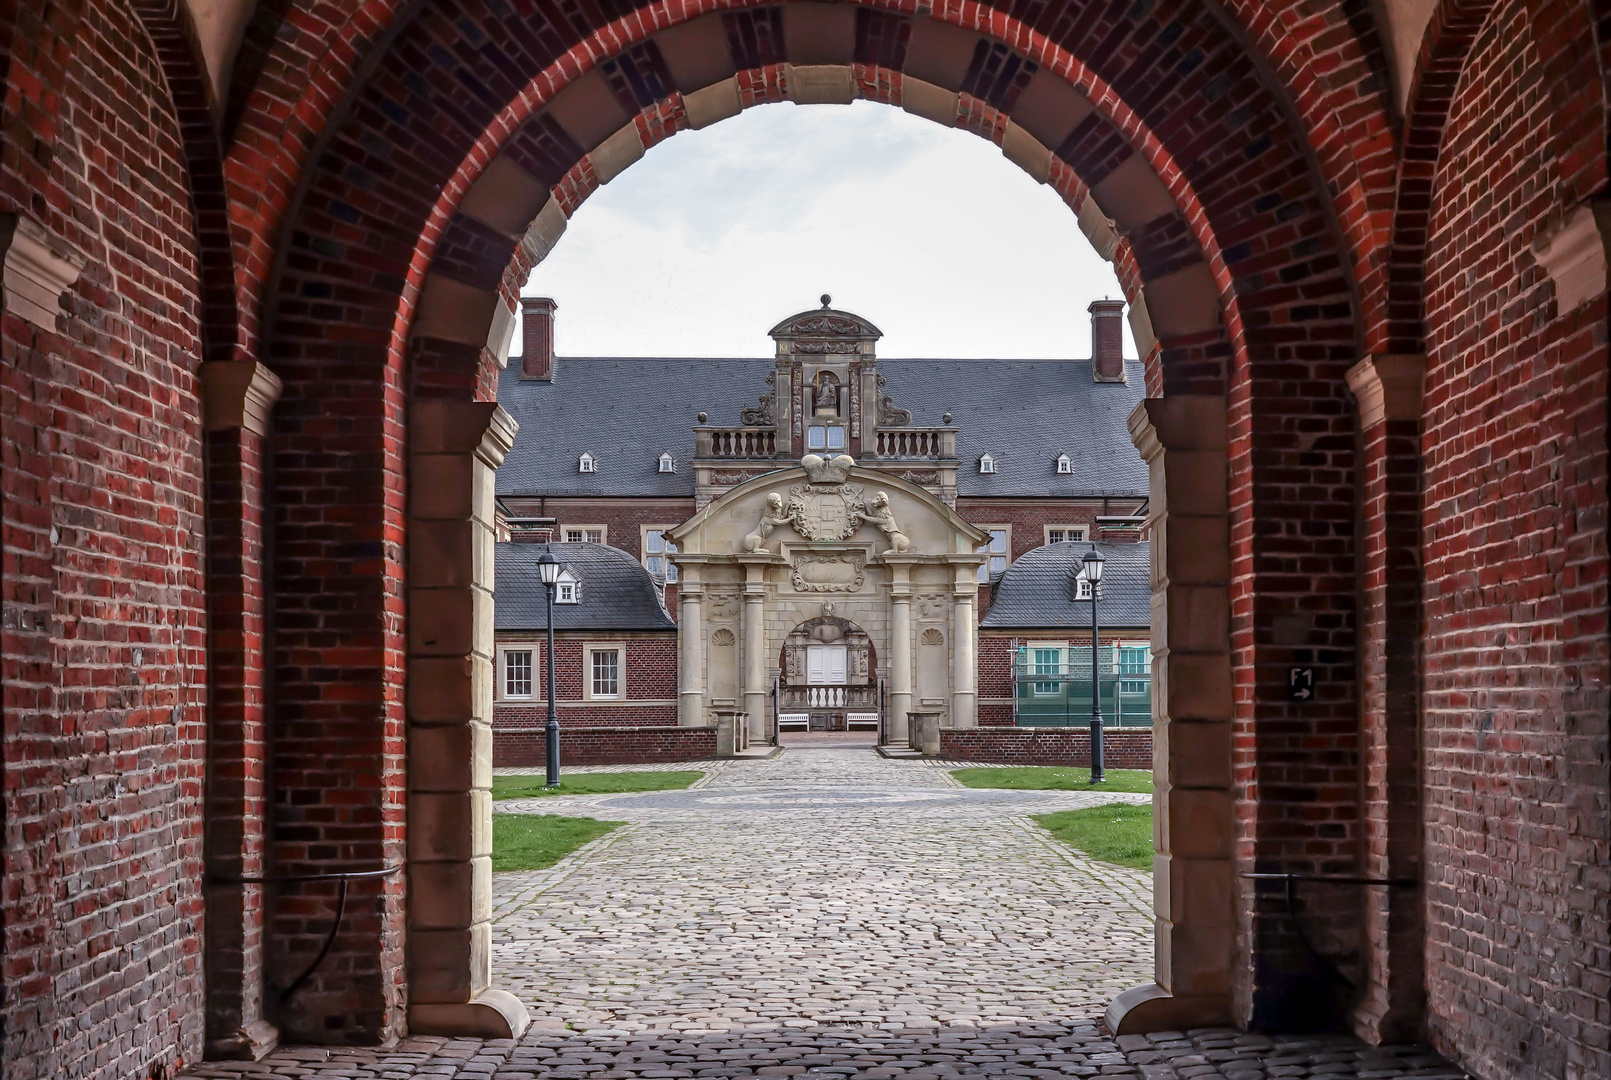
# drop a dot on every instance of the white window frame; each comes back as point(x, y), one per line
point(589, 650)
point(666, 462)
point(602, 530)
point(503, 672)
point(587, 463)
point(1082, 587)
point(1065, 466)
point(987, 465)
point(567, 590)
point(985, 570)
point(1080, 533)
point(646, 554)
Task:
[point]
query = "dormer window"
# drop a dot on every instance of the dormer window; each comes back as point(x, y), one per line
point(565, 590)
point(1064, 465)
point(987, 464)
point(667, 463)
point(587, 463)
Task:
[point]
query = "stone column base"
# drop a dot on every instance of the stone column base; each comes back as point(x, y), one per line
point(253, 1042)
point(1152, 1008)
point(494, 1014)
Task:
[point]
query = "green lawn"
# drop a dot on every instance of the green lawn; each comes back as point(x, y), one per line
point(1050, 778)
point(536, 841)
point(1115, 833)
point(598, 783)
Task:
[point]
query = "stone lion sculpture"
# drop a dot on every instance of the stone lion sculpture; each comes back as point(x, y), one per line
point(879, 515)
point(772, 516)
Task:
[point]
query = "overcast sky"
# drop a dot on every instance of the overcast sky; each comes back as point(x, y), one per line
point(929, 232)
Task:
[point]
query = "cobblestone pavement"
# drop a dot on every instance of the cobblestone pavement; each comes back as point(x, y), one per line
point(828, 914)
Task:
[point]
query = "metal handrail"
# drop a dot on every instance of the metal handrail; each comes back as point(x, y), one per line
point(1290, 881)
point(343, 877)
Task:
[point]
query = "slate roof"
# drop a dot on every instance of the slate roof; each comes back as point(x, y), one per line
point(627, 411)
point(616, 592)
point(1036, 592)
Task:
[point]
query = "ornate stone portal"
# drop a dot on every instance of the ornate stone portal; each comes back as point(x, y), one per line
point(867, 543)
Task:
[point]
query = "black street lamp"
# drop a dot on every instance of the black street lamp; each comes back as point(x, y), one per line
point(548, 569)
point(1093, 574)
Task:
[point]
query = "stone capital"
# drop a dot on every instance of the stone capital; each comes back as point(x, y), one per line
point(1388, 387)
point(38, 269)
point(237, 394)
point(1178, 422)
point(1573, 253)
point(481, 428)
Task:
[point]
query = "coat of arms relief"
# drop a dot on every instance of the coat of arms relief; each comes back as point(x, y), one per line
point(826, 508)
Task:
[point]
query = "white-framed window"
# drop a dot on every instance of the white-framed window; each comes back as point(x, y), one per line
point(585, 534)
point(987, 464)
point(1057, 534)
point(587, 463)
point(567, 589)
point(605, 674)
point(1135, 666)
point(667, 462)
point(825, 437)
point(517, 673)
point(655, 549)
point(1064, 465)
point(1082, 587)
point(1046, 661)
point(999, 548)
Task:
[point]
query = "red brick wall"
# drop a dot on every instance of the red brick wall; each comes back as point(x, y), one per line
point(1127, 749)
point(1029, 517)
point(1515, 664)
point(650, 672)
point(606, 745)
point(103, 653)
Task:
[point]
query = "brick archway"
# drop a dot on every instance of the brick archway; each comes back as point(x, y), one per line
point(441, 187)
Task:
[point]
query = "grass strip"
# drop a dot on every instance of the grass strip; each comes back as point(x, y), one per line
point(1052, 778)
point(524, 786)
point(538, 841)
point(1114, 832)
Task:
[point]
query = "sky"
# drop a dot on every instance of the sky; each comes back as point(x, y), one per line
point(929, 232)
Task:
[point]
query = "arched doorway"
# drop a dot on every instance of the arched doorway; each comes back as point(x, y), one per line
point(828, 677)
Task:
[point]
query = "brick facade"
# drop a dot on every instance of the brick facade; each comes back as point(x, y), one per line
point(605, 745)
point(1072, 749)
point(1294, 186)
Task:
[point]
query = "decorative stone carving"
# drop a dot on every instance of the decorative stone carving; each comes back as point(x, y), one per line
point(723, 637)
point(931, 606)
point(839, 572)
point(888, 414)
point(855, 401)
point(919, 476)
point(932, 636)
point(764, 412)
point(820, 348)
point(879, 515)
point(822, 324)
point(821, 470)
point(730, 476)
point(722, 605)
point(774, 515)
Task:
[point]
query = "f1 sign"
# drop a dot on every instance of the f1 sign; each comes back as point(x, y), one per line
point(1301, 683)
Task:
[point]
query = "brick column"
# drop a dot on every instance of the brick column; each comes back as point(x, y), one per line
point(1389, 392)
point(455, 449)
point(236, 399)
point(1183, 440)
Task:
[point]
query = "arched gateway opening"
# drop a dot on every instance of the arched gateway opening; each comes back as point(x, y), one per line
point(429, 316)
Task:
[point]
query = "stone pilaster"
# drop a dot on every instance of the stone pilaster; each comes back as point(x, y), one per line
point(896, 732)
point(1389, 390)
point(690, 644)
point(455, 449)
point(964, 654)
point(236, 399)
point(756, 684)
point(1183, 440)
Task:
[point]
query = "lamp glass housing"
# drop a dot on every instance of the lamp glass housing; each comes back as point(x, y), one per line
point(1093, 567)
point(548, 569)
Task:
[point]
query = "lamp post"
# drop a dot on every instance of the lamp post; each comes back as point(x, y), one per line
point(548, 569)
point(1093, 574)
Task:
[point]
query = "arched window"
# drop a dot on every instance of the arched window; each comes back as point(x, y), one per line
point(1064, 465)
point(667, 463)
point(987, 464)
point(586, 463)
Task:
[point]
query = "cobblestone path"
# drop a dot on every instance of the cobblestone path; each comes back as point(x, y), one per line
point(828, 914)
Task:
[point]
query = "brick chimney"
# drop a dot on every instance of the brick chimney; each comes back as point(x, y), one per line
point(537, 337)
point(1107, 340)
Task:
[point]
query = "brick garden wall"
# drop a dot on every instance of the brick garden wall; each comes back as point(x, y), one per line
point(104, 630)
point(1515, 653)
point(606, 745)
point(1125, 749)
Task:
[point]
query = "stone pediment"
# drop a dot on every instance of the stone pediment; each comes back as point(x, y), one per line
point(824, 331)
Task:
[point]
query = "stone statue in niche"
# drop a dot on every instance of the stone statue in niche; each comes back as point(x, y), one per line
point(879, 515)
point(774, 515)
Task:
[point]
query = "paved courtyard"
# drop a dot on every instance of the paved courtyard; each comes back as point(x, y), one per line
point(827, 913)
